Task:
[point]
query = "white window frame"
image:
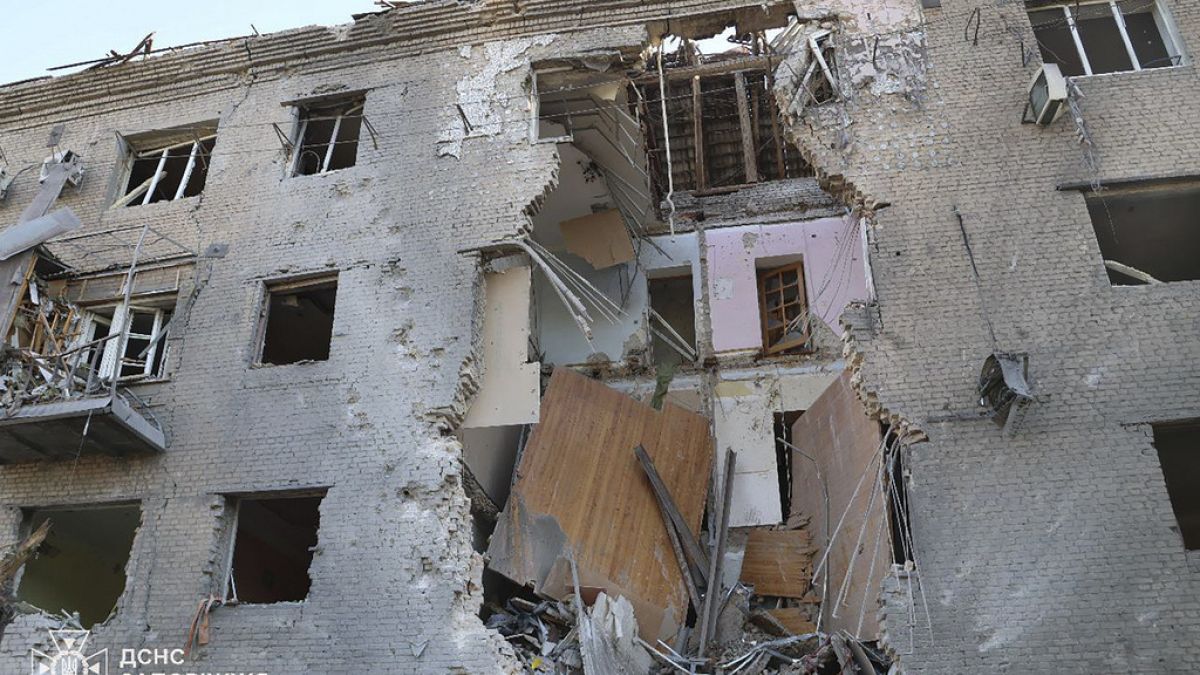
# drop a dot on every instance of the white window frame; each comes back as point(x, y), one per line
point(113, 358)
point(1166, 31)
point(298, 145)
point(158, 172)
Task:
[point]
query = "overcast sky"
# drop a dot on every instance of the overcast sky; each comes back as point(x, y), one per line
point(38, 34)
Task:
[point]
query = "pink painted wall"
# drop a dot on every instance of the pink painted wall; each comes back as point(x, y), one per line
point(831, 249)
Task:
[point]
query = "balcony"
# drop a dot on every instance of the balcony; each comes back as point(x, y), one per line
point(85, 425)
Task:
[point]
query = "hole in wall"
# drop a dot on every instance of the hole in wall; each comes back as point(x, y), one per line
point(80, 568)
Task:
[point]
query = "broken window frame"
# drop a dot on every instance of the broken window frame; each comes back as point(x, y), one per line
point(355, 103)
point(801, 343)
point(821, 49)
point(1163, 21)
point(283, 285)
point(198, 152)
point(114, 358)
point(228, 590)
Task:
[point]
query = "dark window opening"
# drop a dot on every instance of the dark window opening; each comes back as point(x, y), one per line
point(673, 299)
point(328, 137)
point(1152, 229)
point(1143, 24)
point(783, 307)
point(299, 321)
point(1054, 39)
point(1178, 446)
point(273, 548)
point(1103, 37)
point(80, 567)
point(896, 498)
point(784, 421)
point(160, 173)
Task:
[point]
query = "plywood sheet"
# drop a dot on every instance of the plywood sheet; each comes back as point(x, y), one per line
point(778, 562)
point(599, 238)
point(837, 433)
point(580, 489)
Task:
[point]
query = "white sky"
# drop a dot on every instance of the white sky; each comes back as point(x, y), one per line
point(35, 35)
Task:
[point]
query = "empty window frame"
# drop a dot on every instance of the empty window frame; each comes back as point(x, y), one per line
point(327, 138)
point(80, 567)
point(297, 322)
point(1178, 446)
point(136, 345)
point(1148, 231)
point(1104, 37)
point(783, 307)
point(673, 300)
point(168, 169)
point(271, 544)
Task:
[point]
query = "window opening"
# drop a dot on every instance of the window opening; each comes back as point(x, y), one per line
point(136, 347)
point(1178, 446)
point(273, 540)
point(1148, 232)
point(298, 325)
point(783, 308)
point(897, 497)
point(673, 299)
point(80, 567)
point(167, 173)
point(328, 137)
point(1104, 37)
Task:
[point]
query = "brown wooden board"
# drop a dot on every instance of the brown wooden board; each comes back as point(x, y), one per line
point(794, 619)
point(778, 562)
point(579, 488)
point(837, 433)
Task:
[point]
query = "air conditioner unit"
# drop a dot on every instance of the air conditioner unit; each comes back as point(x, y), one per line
point(1047, 95)
point(1004, 389)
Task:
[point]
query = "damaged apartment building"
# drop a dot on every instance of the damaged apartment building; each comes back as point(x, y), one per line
point(611, 337)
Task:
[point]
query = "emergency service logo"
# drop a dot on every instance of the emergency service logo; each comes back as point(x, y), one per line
point(69, 656)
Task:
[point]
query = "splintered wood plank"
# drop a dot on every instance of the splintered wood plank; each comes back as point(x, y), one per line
point(580, 490)
point(778, 562)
